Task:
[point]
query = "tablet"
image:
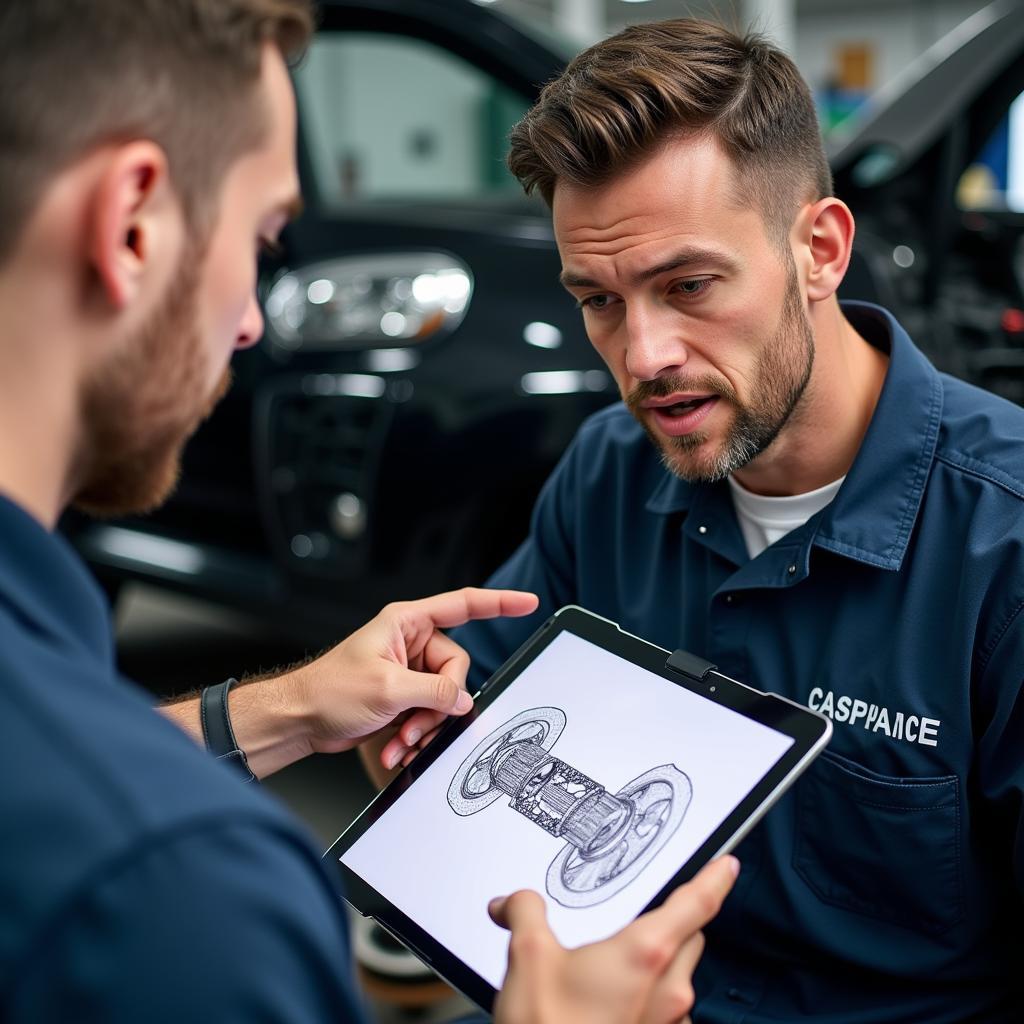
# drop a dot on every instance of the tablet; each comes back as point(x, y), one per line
point(595, 768)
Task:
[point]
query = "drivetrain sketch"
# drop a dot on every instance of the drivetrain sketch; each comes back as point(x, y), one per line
point(609, 839)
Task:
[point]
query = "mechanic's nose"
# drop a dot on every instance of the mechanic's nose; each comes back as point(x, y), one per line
point(653, 348)
point(250, 330)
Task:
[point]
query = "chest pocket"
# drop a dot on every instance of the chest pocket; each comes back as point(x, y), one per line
point(888, 848)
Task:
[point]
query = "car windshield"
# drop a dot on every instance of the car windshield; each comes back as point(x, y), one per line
point(388, 117)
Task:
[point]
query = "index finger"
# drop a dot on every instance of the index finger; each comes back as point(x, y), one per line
point(692, 905)
point(458, 606)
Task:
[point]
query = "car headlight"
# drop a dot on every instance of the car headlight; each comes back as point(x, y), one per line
point(368, 301)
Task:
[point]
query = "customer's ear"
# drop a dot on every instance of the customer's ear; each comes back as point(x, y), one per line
point(134, 224)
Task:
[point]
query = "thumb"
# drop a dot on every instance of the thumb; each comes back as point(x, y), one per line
point(522, 911)
point(693, 905)
point(427, 690)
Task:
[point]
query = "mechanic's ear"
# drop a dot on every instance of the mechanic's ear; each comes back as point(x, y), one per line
point(136, 223)
point(824, 233)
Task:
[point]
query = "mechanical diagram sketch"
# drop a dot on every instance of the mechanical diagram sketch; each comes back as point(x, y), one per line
point(609, 839)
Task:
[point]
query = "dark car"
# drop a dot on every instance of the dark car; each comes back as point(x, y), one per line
point(422, 370)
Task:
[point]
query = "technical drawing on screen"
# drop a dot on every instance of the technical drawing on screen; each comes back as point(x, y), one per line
point(609, 839)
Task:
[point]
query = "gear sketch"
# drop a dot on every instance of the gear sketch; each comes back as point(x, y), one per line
point(609, 839)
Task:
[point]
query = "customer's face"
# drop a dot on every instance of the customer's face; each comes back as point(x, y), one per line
point(697, 313)
point(143, 403)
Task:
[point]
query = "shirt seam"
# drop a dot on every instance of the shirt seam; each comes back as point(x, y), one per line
point(990, 648)
point(981, 470)
point(922, 468)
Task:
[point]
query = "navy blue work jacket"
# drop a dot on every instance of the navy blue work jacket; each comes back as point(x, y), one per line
point(886, 887)
point(139, 879)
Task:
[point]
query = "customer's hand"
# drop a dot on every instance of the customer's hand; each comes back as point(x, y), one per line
point(641, 975)
point(397, 662)
point(389, 684)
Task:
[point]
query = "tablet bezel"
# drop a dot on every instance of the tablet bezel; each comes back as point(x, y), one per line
point(809, 730)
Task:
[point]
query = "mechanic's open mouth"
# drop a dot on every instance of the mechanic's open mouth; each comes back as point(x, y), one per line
point(683, 417)
point(682, 408)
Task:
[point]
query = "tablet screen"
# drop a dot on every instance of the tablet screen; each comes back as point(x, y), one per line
point(590, 780)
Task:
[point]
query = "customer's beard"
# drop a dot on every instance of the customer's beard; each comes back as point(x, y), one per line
point(142, 404)
point(781, 375)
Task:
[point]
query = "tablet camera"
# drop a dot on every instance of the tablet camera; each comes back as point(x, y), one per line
point(609, 839)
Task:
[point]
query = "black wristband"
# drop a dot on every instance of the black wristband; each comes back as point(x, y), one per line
point(217, 732)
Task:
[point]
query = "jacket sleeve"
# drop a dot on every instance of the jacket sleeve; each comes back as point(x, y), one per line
point(226, 922)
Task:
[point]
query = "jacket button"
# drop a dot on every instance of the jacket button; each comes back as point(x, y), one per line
point(791, 570)
point(702, 529)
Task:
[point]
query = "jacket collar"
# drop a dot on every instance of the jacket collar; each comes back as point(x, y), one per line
point(872, 517)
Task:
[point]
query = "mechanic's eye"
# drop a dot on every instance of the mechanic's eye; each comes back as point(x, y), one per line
point(694, 286)
point(595, 302)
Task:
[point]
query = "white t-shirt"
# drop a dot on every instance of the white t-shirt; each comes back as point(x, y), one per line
point(764, 520)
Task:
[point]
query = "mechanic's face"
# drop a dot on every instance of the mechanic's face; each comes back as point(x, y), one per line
point(697, 314)
point(142, 406)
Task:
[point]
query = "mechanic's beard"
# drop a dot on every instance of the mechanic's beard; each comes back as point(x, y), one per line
point(780, 378)
point(139, 408)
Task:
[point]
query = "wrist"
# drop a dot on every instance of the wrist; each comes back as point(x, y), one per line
point(271, 722)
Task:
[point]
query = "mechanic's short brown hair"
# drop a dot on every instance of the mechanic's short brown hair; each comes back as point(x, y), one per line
point(78, 74)
point(625, 97)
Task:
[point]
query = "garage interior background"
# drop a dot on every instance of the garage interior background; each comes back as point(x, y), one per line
point(436, 140)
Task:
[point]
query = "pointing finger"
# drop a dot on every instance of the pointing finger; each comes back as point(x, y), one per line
point(458, 606)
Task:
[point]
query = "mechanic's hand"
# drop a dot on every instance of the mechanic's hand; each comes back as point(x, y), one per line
point(641, 975)
point(398, 661)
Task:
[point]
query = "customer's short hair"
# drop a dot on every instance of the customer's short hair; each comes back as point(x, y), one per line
point(624, 98)
point(78, 74)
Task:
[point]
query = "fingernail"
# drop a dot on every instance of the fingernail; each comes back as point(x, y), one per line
point(413, 736)
point(394, 759)
point(464, 703)
point(734, 864)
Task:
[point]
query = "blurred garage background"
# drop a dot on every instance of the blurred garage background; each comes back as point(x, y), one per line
point(422, 370)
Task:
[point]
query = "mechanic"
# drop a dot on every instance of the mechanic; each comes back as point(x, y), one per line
point(147, 149)
point(790, 489)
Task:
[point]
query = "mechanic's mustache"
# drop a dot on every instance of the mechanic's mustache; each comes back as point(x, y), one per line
point(662, 387)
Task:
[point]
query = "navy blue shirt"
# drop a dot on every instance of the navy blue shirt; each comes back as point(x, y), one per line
point(886, 887)
point(139, 879)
